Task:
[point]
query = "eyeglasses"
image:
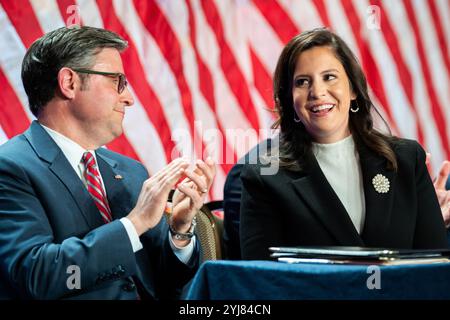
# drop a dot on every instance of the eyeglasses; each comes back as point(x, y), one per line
point(122, 79)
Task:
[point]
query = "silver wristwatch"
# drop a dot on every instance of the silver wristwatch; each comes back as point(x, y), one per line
point(184, 236)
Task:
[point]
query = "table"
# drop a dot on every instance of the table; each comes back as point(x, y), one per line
point(267, 280)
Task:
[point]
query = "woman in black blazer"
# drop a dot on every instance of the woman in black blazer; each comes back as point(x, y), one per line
point(340, 182)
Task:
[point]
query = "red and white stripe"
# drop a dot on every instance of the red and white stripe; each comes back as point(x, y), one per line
point(201, 70)
point(95, 187)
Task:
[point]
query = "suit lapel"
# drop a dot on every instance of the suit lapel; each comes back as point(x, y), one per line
point(120, 201)
point(315, 190)
point(47, 150)
point(378, 205)
point(114, 181)
point(62, 169)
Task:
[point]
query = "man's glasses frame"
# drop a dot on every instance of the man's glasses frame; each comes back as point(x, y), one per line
point(122, 78)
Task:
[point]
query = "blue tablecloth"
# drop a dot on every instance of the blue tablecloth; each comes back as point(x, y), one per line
point(266, 280)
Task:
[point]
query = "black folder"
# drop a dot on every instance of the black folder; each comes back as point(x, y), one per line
point(358, 255)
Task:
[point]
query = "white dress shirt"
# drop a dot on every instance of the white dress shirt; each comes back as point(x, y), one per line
point(74, 153)
point(339, 162)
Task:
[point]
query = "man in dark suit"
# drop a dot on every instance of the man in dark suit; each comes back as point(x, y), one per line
point(79, 221)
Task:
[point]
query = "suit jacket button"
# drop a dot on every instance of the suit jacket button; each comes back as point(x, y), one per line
point(118, 271)
point(129, 287)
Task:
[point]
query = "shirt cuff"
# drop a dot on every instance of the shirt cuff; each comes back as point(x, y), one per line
point(132, 234)
point(184, 254)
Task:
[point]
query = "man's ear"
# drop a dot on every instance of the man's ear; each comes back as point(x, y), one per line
point(67, 82)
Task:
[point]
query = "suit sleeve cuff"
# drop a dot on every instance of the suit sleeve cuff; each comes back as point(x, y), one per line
point(184, 254)
point(132, 234)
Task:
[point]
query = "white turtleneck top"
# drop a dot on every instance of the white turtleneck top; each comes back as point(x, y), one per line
point(339, 162)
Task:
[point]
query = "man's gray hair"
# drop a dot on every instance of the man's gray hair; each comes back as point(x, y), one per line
point(63, 47)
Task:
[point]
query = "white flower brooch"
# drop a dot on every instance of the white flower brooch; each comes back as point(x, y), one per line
point(380, 183)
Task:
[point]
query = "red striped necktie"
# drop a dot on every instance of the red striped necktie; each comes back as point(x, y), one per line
point(94, 186)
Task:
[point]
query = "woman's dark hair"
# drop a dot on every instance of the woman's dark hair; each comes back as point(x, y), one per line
point(295, 141)
point(64, 47)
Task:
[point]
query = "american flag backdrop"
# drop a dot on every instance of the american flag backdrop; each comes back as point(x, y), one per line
point(200, 70)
